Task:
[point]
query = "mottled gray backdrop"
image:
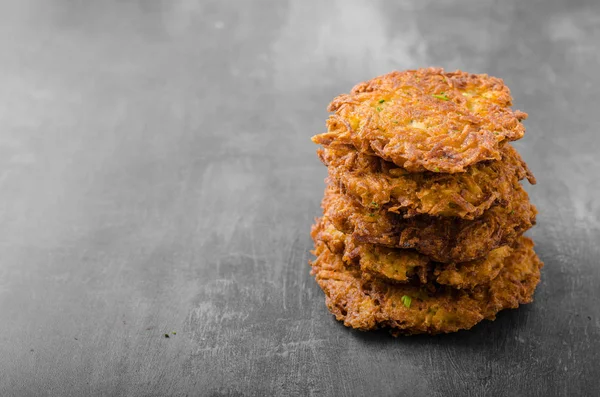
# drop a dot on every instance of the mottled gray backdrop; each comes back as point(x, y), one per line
point(157, 177)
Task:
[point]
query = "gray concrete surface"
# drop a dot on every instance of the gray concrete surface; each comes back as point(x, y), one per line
point(157, 177)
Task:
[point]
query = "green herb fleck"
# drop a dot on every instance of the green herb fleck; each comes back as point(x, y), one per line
point(174, 333)
point(371, 214)
point(374, 204)
point(441, 96)
point(166, 335)
point(436, 169)
point(511, 212)
point(378, 109)
point(406, 300)
point(381, 100)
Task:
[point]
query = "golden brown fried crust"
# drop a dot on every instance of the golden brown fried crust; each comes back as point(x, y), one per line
point(426, 119)
point(376, 182)
point(367, 304)
point(442, 239)
point(405, 265)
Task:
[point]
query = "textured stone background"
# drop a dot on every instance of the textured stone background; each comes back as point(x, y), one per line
point(157, 176)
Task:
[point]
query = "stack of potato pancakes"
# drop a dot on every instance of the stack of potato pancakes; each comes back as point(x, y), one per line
point(424, 213)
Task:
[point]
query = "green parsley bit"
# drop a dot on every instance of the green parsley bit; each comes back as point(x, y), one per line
point(374, 204)
point(441, 96)
point(174, 333)
point(436, 169)
point(378, 109)
point(371, 214)
point(511, 212)
point(381, 100)
point(167, 336)
point(406, 300)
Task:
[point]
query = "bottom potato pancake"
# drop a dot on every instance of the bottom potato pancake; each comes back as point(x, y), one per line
point(366, 303)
